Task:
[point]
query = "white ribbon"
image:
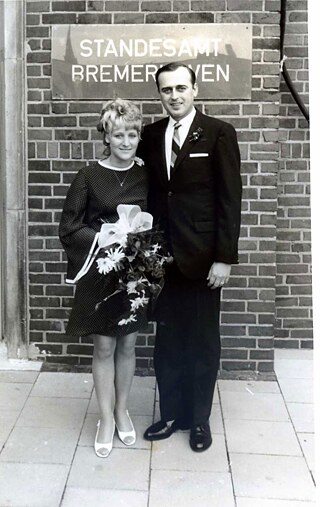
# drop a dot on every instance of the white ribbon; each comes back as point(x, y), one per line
point(131, 219)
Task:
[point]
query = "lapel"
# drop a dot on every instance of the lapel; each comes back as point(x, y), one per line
point(187, 145)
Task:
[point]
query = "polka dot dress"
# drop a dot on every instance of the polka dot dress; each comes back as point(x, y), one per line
point(92, 199)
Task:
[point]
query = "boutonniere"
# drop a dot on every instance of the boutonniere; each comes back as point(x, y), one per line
point(139, 161)
point(195, 135)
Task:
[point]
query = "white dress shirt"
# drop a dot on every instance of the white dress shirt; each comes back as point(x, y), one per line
point(183, 132)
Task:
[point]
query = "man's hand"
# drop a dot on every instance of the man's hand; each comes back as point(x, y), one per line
point(218, 275)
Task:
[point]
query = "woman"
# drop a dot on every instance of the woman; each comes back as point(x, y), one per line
point(91, 201)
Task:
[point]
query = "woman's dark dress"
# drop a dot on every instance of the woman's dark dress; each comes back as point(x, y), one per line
point(92, 199)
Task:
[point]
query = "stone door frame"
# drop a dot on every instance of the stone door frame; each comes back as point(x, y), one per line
point(13, 165)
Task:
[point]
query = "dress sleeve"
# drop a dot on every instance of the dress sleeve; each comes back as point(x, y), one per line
point(75, 234)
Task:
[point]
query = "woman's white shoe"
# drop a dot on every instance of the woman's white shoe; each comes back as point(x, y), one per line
point(103, 450)
point(127, 437)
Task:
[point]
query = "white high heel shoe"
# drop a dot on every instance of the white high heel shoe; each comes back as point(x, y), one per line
point(127, 437)
point(98, 446)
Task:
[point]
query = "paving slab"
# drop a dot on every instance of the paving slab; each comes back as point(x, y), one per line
point(296, 390)
point(294, 368)
point(175, 454)
point(8, 419)
point(40, 445)
point(63, 385)
point(82, 497)
point(140, 423)
point(28, 377)
point(53, 412)
point(302, 416)
point(263, 502)
point(253, 406)
point(32, 485)
point(299, 354)
point(261, 437)
point(249, 386)
point(307, 441)
point(13, 395)
point(123, 469)
point(190, 489)
point(271, 477)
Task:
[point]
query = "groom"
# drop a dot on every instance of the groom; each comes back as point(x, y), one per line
point(195, 197)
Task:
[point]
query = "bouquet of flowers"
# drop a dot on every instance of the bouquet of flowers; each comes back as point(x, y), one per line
point(137, 257)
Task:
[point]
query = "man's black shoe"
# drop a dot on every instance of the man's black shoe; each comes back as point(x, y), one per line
point(200, 437)
point(160, 430)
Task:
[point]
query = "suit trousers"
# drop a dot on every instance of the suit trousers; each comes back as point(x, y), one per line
point(187, 348)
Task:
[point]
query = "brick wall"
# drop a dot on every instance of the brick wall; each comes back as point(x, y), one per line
point(62, 138)
point(293, 285)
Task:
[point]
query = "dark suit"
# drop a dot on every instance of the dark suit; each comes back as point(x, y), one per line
point(199, 209)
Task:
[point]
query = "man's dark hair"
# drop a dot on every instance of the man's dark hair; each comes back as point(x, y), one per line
point(170, 67)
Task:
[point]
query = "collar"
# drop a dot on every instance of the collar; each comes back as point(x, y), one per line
point(186, 121)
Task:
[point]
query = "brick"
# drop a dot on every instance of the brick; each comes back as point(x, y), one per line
point(37, 31)
point(38, 82)
point(245, 5)
point(33, 70)
point(43, 230)
point(238, 365)
point(37, 6)
point(208, 5)
point(155, 6)
point(234, 354)
point(261, 354)
point(265, 18)
point(39, 57)
point(40, 216)
point(201, 17)
point(94, 18)
point(129, 5)
point(164, 18)
point(272, 5)
point(180, 5)
point(128, 18)
point(238, 342)
point(55, 19)
point(44, 178)
point(233, 17)
point(95, 5)
point(70, 5)
point(264, 366)
point(60, 121)
point(61, 134)
point(266, 43)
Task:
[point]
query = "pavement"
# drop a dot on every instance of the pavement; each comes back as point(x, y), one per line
point(262, 453)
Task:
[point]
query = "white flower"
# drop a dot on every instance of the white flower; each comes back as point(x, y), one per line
point(137, 302)
point(139, 161)
point(105, 265)
point(131, 286)
point(115, 255)
point(155, 248)
point(124, 322)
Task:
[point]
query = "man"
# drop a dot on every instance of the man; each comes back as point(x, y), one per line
point(195, 195)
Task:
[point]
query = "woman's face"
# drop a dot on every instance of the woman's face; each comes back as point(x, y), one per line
point(123, 144)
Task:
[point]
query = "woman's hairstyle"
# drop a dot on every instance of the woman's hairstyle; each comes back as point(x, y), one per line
point(119, 113)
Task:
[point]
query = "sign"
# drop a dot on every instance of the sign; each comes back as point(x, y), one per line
point(107, 61)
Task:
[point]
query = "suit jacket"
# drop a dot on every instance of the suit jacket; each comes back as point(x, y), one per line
point(199, 208)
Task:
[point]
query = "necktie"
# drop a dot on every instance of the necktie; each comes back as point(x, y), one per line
point(175, 144)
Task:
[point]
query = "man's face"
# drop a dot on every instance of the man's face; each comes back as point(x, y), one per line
point(177, 93)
